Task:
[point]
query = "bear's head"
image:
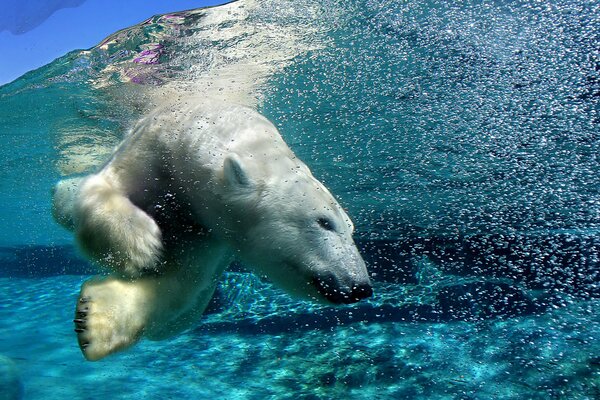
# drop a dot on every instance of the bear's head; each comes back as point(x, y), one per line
point(290, 229)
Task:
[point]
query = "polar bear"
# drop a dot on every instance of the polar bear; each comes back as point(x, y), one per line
point(193, 187)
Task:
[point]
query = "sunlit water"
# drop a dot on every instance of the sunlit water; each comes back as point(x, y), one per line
point(463, 140)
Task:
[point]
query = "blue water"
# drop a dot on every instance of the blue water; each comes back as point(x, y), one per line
point(462, 138)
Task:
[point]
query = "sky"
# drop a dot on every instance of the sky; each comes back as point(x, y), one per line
point(35, 32)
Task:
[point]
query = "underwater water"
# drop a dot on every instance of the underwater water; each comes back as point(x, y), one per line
point(463, 139)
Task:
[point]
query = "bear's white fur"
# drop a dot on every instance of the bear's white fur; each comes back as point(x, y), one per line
point(194, 186)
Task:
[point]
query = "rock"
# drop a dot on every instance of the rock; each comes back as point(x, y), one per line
point(11, 387)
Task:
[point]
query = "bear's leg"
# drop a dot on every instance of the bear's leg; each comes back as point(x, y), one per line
point(114, 313)
point(113, 231)
point(186, 290)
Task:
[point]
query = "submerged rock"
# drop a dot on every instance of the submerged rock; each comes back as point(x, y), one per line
point(11, 387)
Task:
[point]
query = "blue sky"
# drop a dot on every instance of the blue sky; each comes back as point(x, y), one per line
point(35, 32)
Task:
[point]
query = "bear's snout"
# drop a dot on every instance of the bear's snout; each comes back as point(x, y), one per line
point(329, 287)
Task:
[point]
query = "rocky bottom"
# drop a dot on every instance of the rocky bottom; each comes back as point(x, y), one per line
point(257, 343)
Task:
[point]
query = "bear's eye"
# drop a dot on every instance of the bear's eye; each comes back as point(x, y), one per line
point(326, 224)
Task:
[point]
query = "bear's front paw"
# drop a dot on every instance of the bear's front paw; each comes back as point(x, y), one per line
point(139, 251)
point(123, 238)
point(105, 318)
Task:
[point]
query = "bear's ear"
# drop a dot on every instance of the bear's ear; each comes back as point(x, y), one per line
point(234, 172)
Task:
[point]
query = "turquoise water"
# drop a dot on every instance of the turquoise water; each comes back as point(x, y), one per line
point(462, 138)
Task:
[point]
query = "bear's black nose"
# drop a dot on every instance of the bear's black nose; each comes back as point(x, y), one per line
point(360, 292)
point(337, 294)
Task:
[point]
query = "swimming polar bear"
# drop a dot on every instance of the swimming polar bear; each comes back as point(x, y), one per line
point(193, 187)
